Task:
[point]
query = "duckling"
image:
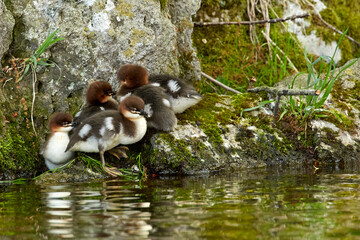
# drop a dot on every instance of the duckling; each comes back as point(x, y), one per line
point(109, 128)
point(54, 151)
point(133, 80)
point(98, 98)
point(182, 95)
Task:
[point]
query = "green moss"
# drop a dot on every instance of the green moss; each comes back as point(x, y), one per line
point(163, 4)
point(210, 3)
point(208, 116)
point(342, 15)
point(179, 148)
point(214, 112)
point(266, 147)
point(345, 124)
point(354, 97)
point(330, 16)
point(75, 101)
point(19, 147)
point(19, 153)
point(185, 62)
point(346, 98)
point(246, 100)
point(227, 53)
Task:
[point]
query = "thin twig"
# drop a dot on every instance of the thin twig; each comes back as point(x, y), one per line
point(274, 20)
point(214, 88)
point(336, 30)
point(34, 78)
point(329, 25)
point(5, 81)
point(219, 83)
point(282, 52)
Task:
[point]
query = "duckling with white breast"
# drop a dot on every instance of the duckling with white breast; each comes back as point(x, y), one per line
point(109, 128)
point(182, 94)
point(133, 80)
point(54, 151)
point(98, 98)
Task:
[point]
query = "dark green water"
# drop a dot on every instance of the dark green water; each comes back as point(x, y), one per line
point(256, 204)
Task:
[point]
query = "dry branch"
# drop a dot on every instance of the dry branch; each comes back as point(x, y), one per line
point(283, 92)
point(336, 30)
point(328, 24)
point(287, 92)
point(219, 83)
point(274, 20)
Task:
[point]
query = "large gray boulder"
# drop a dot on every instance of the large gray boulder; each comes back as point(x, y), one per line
point(99, 37)
point(7, 23)
point(181, 12)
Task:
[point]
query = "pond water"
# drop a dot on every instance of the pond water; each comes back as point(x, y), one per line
point(251, 204)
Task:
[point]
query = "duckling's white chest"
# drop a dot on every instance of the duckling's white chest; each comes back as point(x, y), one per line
point(55, 148)
point(139, 132)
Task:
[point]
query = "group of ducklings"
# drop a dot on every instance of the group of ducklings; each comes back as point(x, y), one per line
point(105, 122)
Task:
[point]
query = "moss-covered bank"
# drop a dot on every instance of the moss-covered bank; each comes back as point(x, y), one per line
point(19, 146)
point(227, 53)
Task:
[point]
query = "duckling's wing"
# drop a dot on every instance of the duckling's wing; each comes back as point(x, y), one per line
point(158, 106)
point(99, 126)
point(87, 112)
point(80, 133)
point(174, 86)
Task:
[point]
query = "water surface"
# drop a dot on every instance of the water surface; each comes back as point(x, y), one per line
point(251, 204)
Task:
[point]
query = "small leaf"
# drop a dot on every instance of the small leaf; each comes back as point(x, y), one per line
point(282, 114)
point(43, 63)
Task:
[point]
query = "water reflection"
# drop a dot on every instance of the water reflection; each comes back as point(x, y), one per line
point(257, 204)
point(111, 209)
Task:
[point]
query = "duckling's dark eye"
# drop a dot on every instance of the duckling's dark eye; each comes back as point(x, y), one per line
point(133, 109)
point(109, 93)
point(65, 123)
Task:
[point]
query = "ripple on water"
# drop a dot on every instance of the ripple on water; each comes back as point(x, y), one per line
point(253, 204)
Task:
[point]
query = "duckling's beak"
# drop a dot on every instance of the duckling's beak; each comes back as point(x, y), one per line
point(143, 113)
point(110, 93)
point(72, 124)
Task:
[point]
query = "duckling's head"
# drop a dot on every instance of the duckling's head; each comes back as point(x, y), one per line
point(99, 92)
point(61, 122)
point(132, 107)
point(132, 76)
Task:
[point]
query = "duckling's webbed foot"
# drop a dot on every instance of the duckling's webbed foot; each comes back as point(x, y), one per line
point(119, 152)
point(112, 171)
